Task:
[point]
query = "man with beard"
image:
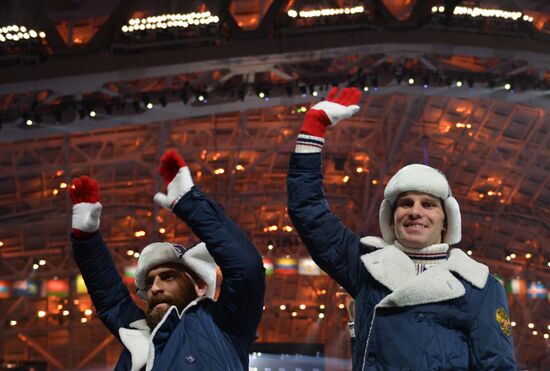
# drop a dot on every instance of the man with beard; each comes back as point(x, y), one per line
point(183, 327)
point(419, 305)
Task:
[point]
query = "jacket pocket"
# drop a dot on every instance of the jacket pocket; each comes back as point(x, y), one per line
point(453, 347)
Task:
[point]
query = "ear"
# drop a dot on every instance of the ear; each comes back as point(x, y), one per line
point(200, 287)
point(443, 231)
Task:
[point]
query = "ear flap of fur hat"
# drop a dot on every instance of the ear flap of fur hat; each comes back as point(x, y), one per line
point(196, 258)
point(385, 216)
point(453, 235)
point(425, 179)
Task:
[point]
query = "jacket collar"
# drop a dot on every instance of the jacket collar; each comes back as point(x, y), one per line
point(138, 338)
point(394, 269)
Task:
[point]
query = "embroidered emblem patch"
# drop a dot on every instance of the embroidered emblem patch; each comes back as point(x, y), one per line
point(503, 321)
point(180, 250)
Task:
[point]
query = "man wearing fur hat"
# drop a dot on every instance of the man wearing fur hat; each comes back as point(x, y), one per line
point(183, 328)
point(418, 304)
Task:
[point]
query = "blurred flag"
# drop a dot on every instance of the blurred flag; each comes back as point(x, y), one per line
point(516, 286)
point(129, 276)
point(26, 288)
point(59, 288)
point(268, 265)
point(286, 266)
point(307, 267)
point(80, 285)
point(537, 290)
point(4, 289)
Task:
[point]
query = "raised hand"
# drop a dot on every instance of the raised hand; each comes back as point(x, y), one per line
point(177, 177)
point(329, 112)
point(170, 163)
point(84, 194)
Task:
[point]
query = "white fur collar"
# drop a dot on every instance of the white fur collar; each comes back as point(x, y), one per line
point(138, 338)
point(374, 241)
point(389, 266)
point(474, 272)
point(394, 269)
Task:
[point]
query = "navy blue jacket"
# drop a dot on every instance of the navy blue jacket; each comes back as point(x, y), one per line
point(451, 317)
point(210, 335)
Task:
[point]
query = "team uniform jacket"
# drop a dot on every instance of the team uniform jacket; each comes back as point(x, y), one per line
point(207, 335)
point(452, 316)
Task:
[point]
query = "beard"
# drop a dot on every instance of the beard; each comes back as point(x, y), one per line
point(155, 314)
point(154, 317)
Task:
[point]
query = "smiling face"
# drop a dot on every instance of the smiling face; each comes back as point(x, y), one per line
point(418, 220)
point(170, 284)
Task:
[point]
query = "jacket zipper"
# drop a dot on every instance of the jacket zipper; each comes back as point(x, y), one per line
point(368, 338)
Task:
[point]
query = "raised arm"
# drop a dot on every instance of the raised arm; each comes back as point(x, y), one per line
point(111, 298)
point(240, 301)
point(334, 247)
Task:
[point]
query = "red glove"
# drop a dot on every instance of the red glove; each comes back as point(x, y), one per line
point(84, 194)
point(177, 177)
point(170, 164)
point(330, 111)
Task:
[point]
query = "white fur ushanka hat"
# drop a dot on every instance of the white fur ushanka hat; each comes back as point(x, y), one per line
point(425, 179)
point(196, 258)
